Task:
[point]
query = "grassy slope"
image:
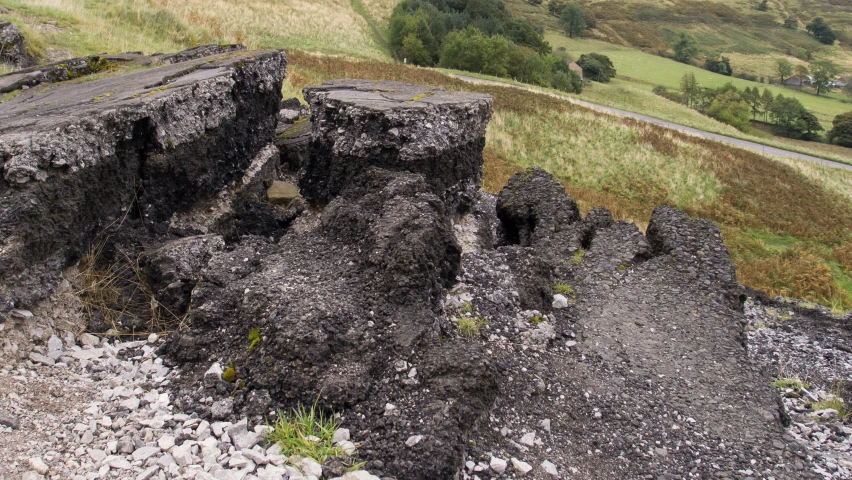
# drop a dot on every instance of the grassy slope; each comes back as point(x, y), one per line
point(624, 165)
point(87, 26)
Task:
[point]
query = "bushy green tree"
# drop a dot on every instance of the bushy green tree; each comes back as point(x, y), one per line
point(730, 108)
point(792, 117)
point(685, 48)
point(720, 65)
point(471, 50)
point(783, 68)
point(413, 51)
point(555, 6)
point(823, 72)
point(752, 97)
point(597, 67)
point(841, 132)
point(573, 19)
point(821, 31)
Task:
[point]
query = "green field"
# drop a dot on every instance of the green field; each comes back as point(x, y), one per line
point(651, 70)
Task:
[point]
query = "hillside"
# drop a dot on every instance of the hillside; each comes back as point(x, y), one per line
point(733, 27)
point(622, 165)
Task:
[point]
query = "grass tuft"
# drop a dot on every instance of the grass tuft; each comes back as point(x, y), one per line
point(254, 338)
point(794, 383)
point(469, 326)
point(835, 403)
point(305, 432)
point(564, 289)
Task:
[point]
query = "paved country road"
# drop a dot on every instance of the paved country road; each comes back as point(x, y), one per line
point(675, 126)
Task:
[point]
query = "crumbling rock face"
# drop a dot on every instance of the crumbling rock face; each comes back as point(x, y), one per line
point(172, 269)
point(399, 127)
point(81, 156)
point(339, 308)
point(13, 47)
point(534, 207)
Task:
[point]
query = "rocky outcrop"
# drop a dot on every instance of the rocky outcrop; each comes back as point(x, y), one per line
point(357, 124)
point(78, 157)
point(13, 46)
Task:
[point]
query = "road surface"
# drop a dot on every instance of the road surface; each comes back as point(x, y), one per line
point(675, 126)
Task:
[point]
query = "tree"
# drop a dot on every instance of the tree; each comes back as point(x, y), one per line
point(791, 23)
point(821, 31)
point(789, 114)
point(414, 51)
point(597, 67)
point(567, 82)
point(719, 65)
point(730, 108)
point(688, 87)
point(685, 47)
point(573, 19)
point(752, 98)
point(472, 50)
point(823, 73)
point(783, 68)
point(555, 6)
point(841, 133)
point(766, 101)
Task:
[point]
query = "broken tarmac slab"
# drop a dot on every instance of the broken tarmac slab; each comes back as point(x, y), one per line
point(362, 123)
point(80, 156)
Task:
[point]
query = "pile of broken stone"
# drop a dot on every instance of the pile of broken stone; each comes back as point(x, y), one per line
point(332, 261)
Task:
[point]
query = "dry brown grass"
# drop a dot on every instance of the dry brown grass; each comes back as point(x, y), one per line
point(797, 274)
point(116, 294)
point(843, 256)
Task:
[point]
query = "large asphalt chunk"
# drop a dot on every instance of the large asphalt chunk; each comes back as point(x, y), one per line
point(79, 156)
point(395, 126)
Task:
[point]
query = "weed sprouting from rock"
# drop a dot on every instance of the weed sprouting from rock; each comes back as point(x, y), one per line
point(306, 432)
point(564, 289)
point(254, 338)
point(469, 326)
point(794, 383)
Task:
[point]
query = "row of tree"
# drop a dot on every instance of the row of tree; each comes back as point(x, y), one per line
point(736, 107)
point(477, 36)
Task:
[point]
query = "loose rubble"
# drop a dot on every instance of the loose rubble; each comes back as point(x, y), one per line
point(349, 261)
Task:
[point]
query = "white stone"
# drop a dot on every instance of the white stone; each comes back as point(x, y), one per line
point(153, 338)
point(360, 475)
point(166, 442)
point(255, 456)
point(549, 469)
point(413, 440)
point(309, 467)
point(215, 371)
point(119, 463)
point(498, 465)
point(90, 354)
point(182, 454)
point(148, 473)
point(271, 472)
point(522, 467)
point(97, 455)
point(37, 464)
point(545, 425)
point(348, 447)
point(144, 453)
point(528, 439)
point(340, 435)
point(87, 339)
point(559, 301)
point(293, 473)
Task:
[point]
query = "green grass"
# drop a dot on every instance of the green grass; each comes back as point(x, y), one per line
point(469, 326)
point(564, 289)
point(307, 433)
point(794, 383)
point(254, 338)
point(640, 67)
point(92, 26)
point(835, 403)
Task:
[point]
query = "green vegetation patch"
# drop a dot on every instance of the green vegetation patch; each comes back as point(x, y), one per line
point(306, 432)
